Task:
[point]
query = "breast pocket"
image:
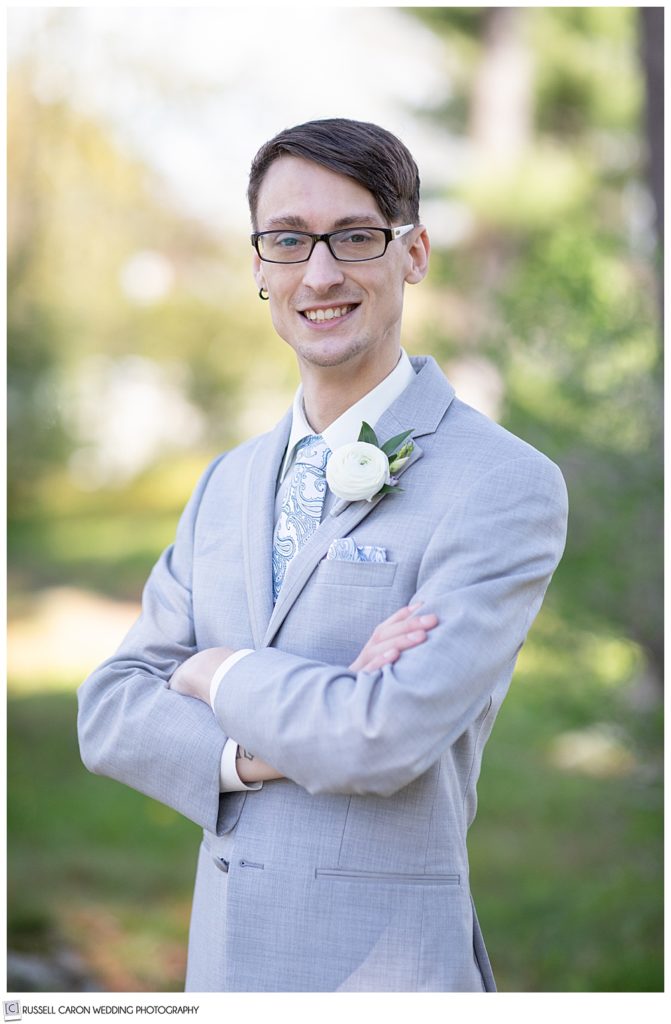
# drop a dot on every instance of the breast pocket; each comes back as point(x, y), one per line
point(348, 600)
point(334, 573)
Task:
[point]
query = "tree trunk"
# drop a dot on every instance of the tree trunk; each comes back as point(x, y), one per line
point(652, 55)
point(502, 106)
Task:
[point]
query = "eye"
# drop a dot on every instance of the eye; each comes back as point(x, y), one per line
point(357, 237)
point(289, 241)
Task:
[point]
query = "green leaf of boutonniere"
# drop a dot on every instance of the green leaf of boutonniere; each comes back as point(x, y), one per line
point(392, 444)
point(368, 435)
point(388, 489)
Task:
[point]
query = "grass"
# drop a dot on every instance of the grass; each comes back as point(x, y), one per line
point(567, 866)
point(566, 870)
point(92, 864)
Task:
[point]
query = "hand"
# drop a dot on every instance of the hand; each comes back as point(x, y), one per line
point(398, 633)
point(193, 677)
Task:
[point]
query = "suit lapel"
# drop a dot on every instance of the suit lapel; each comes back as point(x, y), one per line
point(303, 564)
point(421, 406)
point(258, 523)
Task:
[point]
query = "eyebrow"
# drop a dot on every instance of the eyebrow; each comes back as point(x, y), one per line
point(291, 221)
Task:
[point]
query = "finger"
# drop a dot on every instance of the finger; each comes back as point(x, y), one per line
point(369, 660)
point(390, 630)
point(418, 622)
point(381, 635)
point(401, 614)
point(396, 634)
point(381, 660)
point(402, 643)
point(375, 660)
point(385, 633)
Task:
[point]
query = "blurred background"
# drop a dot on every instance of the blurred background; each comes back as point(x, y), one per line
point(138, 349)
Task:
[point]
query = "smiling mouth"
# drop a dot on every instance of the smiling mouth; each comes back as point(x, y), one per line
point(329, 313)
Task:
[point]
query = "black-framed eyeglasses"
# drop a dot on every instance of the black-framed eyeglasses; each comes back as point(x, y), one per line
point(350, 245)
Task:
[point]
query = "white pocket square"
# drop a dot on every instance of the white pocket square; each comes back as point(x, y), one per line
point(346, 549)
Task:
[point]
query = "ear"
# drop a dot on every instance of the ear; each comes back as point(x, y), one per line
point(257, 270)
point(418, 255)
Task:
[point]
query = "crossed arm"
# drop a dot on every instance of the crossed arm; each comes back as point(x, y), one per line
point(401, 631)
point(329, 728)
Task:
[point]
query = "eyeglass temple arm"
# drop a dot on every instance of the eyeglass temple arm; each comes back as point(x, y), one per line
point(398, 232)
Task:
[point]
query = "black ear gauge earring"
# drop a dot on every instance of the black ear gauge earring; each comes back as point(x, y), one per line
point(262, 296)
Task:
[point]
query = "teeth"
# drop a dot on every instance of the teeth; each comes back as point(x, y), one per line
point(326, 314)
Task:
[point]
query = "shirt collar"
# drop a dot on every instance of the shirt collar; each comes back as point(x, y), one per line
point(348, 425)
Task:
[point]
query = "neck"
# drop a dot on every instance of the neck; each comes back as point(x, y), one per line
point(327, 394)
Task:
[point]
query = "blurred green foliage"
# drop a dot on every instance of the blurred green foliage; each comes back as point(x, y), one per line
point(554, 287)
point(102, 543)
point(565, 287)
point(80, 209)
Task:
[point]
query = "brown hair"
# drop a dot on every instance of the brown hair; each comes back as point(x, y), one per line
point(365, 152)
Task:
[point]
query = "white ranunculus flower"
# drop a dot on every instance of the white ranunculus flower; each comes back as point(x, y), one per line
point(357, 471)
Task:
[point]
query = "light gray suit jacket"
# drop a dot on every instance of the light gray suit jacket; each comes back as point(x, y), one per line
point(351, 873)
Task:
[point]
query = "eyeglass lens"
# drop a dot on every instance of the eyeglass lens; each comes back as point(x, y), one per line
point(350, 245)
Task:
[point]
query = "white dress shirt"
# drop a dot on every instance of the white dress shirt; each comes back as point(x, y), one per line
point(342, 431)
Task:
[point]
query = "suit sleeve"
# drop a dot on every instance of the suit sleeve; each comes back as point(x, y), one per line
point(484, 574)
point(136, 730)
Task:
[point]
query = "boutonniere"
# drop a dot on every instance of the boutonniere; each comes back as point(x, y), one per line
point(364, 469)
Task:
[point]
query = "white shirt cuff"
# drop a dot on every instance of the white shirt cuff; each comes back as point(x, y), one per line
point(227, 664)
point(229, 780)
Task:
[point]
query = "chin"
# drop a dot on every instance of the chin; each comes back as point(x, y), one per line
point(321, 353)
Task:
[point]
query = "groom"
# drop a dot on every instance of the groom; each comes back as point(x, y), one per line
point(323, 650)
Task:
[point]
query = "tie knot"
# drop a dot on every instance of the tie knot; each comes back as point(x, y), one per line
point(313, 451)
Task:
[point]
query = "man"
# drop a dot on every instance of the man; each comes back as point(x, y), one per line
point(315, 672)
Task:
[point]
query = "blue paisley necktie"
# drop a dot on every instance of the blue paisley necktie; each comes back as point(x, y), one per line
point(302, 507)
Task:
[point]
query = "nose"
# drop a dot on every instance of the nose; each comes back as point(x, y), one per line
point(322, 271)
